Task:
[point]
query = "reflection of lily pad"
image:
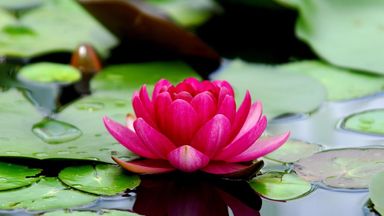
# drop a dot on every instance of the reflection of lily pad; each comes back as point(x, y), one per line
point(341, 84)
point(101, 179)
point(131, 76)
point(88, 213)
point(66, 27)
point(15, 176)
point(348, 34)
point(46, 72)
point(48, 193)
point(293, 150)
point(281, 93)
point(280, 186)
point(17, 117)
point(371, 122)
point(342, 168)
point(376, 192)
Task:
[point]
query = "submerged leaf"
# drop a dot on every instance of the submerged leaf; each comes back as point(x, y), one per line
point(280, 92)
point(14, 176)
point(376, 192)
point(280, 186)
point(370, 122)
point(342, 168)
point(101, 179)
point(48, 193)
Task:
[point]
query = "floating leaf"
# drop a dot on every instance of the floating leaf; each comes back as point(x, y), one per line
point(68, 26)
point(46, 72)
point(341, 84)
point(347, 34)
point(376, 192)
point(15, 176)
point(48, 193)
point(342, 168)
point(88, 213)
point(280, 186)
point(371, 122)
point(293, 150)
point(101, 179)
point(280, 92)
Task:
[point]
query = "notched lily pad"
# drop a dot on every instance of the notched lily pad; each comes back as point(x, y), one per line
point(280, 186)
point(376, 192)
point(14, 176)
point(48, 193)
point(89, 213)
point(101, 179)
point(294, 150)
point(46, 72)
point(341, 84)
point(368, 122)
point(342, 168)
point(280, 92)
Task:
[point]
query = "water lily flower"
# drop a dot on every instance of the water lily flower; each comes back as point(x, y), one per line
point(193, 126)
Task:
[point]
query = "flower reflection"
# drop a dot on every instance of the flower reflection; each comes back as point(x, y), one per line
point(190, 195)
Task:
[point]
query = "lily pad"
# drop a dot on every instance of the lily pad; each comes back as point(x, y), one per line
point(14, 176)
point(130, 77)
point(280, 186)
point(347, 34)
point(18, 116)
point(45, 72)
point(48, 193)
point(101, 179)
point(370, 122)
point(67, 18)
point(89, 213)
point(19, 4)
point(342, 168)
point(376, 192)
point(280, 92)
point(341, 84)
point(293, 150)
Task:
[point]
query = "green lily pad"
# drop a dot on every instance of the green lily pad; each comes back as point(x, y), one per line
point(130, 77)
point(14, 176)
point(46, 72)
point(347, 34)
point(48, 193)
point(370, 122)
point(187, 13)
point(89, 213)
point(294, 150)
point(280, 186)
point(342, 168)
point(376, 192)
point(341, 84)
point(18, 117)
point(65, 17)
point(280, 92)
point(101, 179)
point(19, 4)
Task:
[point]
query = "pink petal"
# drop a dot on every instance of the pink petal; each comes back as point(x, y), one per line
point(128, 139)
point(162, 102)
point(153, 139)
point(160, 86)
point(241, 114)
point(244, 142)
point(253, 116)
point(183, 95)
point(233, 169)
point(145, 166)
point(228, 107)
point(204, 105)
point(187, 159)
point(140, 110)
point(213, 135)
point(181, 122)
point(260, 148)
point(224, 84)
point(143, 94)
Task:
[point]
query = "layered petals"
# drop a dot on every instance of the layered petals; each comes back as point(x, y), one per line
point(187, 159)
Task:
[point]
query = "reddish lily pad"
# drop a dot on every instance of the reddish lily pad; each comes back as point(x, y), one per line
point(369, 122)
point(342, 168)
point(376, 192)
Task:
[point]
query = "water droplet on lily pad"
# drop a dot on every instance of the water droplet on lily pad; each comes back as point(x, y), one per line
point(40, 154)
point(55, 132)
point(90, 106)
point(368, 122)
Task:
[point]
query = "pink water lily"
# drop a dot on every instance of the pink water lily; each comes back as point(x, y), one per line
point(193, 126)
